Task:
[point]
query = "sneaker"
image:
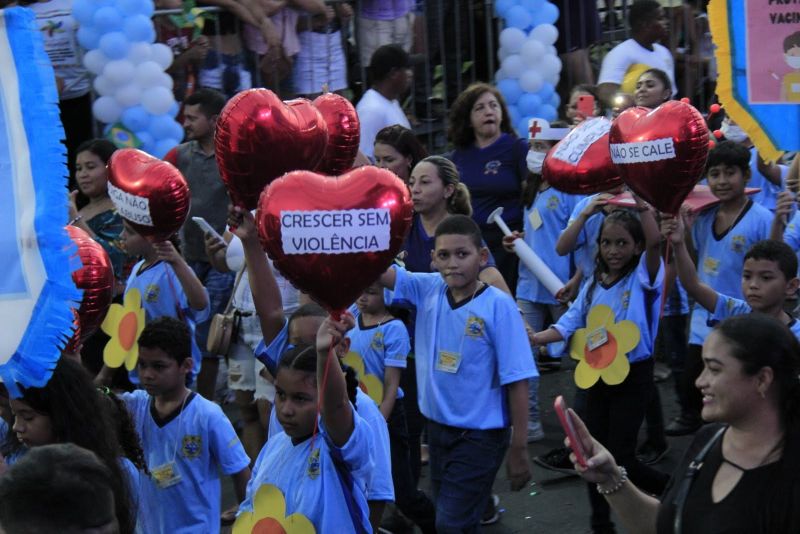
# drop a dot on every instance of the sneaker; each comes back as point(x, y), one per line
point(492, 514)
point(556, 460)
point(682, 426)
point(650, 454)
point(535, 432)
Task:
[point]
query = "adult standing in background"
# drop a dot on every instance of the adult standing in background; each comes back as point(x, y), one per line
point(491, 162)
point(196, 160)
point(382, 22)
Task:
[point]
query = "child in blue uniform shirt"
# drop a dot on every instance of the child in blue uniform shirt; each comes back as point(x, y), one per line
point(187, 440)
point(316, 469)
point(769, 276)
point(167, 285)
point(626, 289)
point(280, 333)
point(473, 365)
point(720, 236)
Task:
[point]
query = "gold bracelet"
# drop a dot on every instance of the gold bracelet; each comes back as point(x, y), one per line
point(623, 478)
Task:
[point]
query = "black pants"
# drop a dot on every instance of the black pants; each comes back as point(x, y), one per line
point(415, 421)
point(614, 415)
point(76, 116)
point(674, 335)
point(692, 369)
point(408, 498)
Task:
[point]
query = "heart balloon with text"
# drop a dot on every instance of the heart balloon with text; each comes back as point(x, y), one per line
point(344, 133)
point(333, 237)
point(580, 163)
point(152, 195)
point(661, 153)
point(259, 138)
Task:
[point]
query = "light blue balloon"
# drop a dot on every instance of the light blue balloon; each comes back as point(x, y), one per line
point(501, 7)
point(136, 7)
point(115, 45)
point(548, 112)
point(528, 103)
point(135, 118)
point(522, 126)
point(83, 11)
point(174, 110)
point(555, 100)
point(513, 114)
point(164, 146)
point(107, 19)
point(139, 28)
point(177, 131)
point(546, 92)
point(88, 37)
point(510, 90)
point(532, 6)
point(548, 14)
point(518, 17)
point(160, 126)
point(146, 139)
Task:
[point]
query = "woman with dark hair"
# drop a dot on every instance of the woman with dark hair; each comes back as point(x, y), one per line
point(69, 409)
point(398, 149)
point(491, 160)
point(741, 473)
point(653, 88)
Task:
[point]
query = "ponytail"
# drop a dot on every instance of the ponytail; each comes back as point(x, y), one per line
point(460, 202)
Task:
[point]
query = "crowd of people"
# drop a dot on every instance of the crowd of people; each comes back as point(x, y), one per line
point(438, 361)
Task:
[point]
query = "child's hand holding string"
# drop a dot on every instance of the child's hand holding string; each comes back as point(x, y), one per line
point(242, 224)
point(332, 332)
point(672, 228)
point(167, 252)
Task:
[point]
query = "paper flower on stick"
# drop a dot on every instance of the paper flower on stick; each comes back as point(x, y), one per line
point(602, 347)
point(124, 323)
point(269, 516)
point(369, 384)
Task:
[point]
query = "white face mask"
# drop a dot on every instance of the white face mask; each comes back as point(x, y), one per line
point(535, 161)
point(792, 61)
point(733, 132)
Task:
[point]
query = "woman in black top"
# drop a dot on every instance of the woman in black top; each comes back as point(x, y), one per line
point(748, 479)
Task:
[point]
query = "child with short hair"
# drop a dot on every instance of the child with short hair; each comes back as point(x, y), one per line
point(187, 440)
point(769, 276)
point(617, 314)
point(168, 286)
point(472, 376)
point(721, 236)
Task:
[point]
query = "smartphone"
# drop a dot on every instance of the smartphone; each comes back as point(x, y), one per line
point(207, 228)
point(585, 106)
point(569, 429)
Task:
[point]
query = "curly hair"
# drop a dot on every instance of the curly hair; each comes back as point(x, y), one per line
point(130, 444)
point(460, 132)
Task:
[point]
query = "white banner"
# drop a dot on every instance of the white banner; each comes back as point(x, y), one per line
point(131, 207)
point(643, 152)
point(335, 232)
point(572, 148)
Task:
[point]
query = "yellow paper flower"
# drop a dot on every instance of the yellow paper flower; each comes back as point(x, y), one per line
point(369, 384)
point(607, 360)
point(124, 324)
point(269, 516)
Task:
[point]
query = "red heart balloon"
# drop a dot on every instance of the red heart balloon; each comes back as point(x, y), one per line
point(333, 237)
point(259, 138)
point(95, 278)
point(660, 153)
point(580, 163)
point(152, 195)
point(344, 133)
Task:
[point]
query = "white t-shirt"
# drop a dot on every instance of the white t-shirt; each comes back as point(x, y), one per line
point(59, 31)
point(376, 112)
point(625, 62)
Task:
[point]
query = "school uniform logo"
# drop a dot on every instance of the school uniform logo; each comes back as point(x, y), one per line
point(626, 299)
point(552, 203)
point(475, 326)
point(711, 266)
point(151, 293)
point(192, 446)
point(738, 244)
point(377, 341)
point(492, 167)
point(313, 465)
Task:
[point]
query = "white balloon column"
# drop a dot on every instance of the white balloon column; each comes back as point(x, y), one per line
point(129, 66)
point(529, 63)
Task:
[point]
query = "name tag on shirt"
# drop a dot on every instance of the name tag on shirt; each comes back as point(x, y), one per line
point(535, 218)
point(165, 475)
point(448, 362)
point(597, 338)
point(711, 266)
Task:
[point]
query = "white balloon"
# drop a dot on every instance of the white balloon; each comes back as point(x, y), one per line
point(531, 52)
point(549, 65)
point(512, 66)
point(103, 86)
point(502, 53)
point(157, 100)
point(553, 79)
point(128, 95)
point(119, 72)
point(500, 75)
point(512, 39)
point(165, 80)
point(139, 53)
point(162, 54)
point(530, 81)
point(106, 110)
point(148, 74)
point(94, 61)
point(546, 33)
point(552, 50)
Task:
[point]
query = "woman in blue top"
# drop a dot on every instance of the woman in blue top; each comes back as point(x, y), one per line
point(613, 324)
point(491, 161)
